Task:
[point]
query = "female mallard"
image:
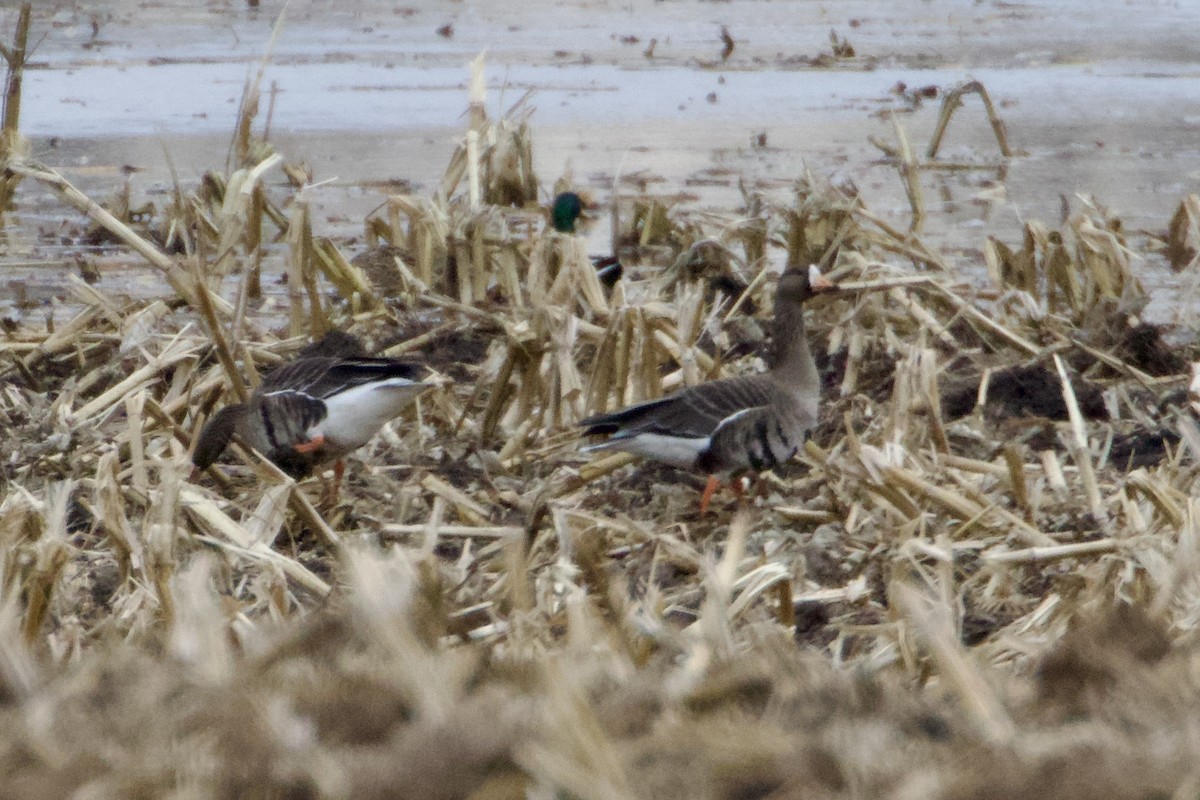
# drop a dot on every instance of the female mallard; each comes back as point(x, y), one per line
point(565, 214)
point(318, 408)
point(751, 422)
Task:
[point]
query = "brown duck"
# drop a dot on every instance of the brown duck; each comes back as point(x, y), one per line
point(746, 423)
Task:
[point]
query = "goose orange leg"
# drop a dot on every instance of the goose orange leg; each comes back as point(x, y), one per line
point(710, 489)
point(330, 490)
point(339, 470)
point(738, 485)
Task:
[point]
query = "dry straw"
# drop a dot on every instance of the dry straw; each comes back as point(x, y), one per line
point(492, 615)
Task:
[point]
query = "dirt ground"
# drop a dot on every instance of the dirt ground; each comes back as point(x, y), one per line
point(977, 580)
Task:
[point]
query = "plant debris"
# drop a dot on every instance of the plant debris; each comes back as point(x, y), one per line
point(976, 580)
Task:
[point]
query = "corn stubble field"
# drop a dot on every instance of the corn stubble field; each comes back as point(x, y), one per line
point(977, 579)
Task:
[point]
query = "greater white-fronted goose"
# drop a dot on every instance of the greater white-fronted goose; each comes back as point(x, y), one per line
point(317, 408)
point(565, 213)
point(753, 422)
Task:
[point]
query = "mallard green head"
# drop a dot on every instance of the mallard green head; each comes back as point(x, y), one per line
point(566, 211)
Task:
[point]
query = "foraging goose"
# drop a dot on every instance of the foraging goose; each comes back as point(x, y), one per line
point(564, 216)
point(318, 408)
point(752, 422)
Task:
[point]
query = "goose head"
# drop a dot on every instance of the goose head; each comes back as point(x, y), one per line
point(798, 284)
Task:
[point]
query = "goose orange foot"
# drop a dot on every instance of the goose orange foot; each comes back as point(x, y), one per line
point(737, 486)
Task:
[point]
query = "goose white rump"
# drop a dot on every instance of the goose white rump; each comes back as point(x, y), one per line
point(353, 416)
point(677, 451)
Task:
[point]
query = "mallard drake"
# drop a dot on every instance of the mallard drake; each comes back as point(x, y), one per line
point(565, 213)
point(733, 425)
point(317, 408)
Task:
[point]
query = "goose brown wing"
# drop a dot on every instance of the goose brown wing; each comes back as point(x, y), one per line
point(326, 376)
point(693, 413)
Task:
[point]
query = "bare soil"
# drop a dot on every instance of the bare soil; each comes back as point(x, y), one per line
point(950, 593)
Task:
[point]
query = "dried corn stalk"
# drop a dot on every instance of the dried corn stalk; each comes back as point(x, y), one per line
point(422, 227)
point(1068, 272)
point(1183, 234)
point(952, 101)
point(561, 274)
point(820, 223)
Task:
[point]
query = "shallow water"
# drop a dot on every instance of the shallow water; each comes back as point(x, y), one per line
point(1100, 99)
